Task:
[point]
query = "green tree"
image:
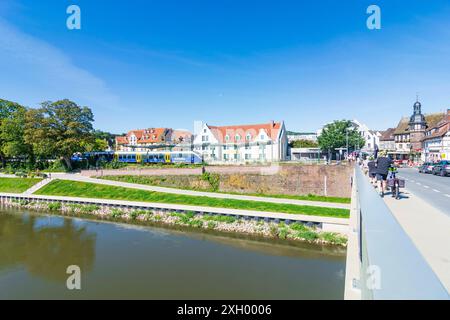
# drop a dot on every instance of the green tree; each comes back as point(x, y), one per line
point(12, 127)
point(334, 135)
point(12, 131)
point(110, 138)
point(59, 129)
point(303, 143)
point(96, 145)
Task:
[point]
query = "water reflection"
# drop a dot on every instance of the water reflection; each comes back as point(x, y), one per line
point(45, 247)
point(141, 262)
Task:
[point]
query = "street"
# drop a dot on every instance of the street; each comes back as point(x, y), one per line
point(435, 190)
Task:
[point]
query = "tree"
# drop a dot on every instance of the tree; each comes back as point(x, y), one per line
point(12, 126)
point(303, 143)
point(96, 145)
point(334, 136)
point(12, 131)
point(107, 136)
point(59, 129)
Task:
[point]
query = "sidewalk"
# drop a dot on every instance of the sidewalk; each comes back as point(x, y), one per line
point(428, 228)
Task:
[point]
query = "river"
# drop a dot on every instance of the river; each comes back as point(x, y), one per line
point(120, 261)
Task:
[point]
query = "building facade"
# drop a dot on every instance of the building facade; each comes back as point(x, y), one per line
point(410, 132)
point(387, 141)
point(296, 136)
point(436, 143)
point(242, 143)
point(142, 140)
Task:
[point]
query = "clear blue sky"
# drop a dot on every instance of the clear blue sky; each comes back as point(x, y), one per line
point(167, 63)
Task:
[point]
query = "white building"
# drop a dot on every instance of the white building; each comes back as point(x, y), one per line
point(436, 143)
point(242, 143)
point(295, 136)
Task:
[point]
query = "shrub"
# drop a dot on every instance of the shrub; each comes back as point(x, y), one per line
point(211, 224)
point(196, 223)
point(90, 208)
point(54, 206)
point(282, 233)
point(333, 238)
point(213, 180)
point(226, 219)
point(116, 213)
point(136, 213)
point(307, 235)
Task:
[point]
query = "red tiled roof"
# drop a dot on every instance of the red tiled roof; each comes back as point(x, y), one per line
point(121, 140)
point(271, 129)
point(150, 135)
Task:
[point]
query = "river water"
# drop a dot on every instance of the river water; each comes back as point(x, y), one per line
point(119, 261)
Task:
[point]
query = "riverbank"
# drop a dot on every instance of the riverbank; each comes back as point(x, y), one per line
point(227, 224)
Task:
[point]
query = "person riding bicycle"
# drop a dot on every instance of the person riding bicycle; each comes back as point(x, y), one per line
point(393, 182)
point(383, 164)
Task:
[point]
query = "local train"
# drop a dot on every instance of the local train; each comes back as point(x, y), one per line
point(188, 157)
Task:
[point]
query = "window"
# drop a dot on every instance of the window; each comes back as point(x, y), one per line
point(262, 137)
point(247, 156)
point(225, 157)
point(237, 137)
point(248, 137)
point(227, 137)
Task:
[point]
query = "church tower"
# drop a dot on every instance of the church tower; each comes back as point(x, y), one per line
point(417, 126)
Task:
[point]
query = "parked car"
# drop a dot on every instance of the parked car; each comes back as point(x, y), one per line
point(427, 167)
point(442, 168)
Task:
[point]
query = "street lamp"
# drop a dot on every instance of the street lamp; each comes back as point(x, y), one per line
point(346, 136)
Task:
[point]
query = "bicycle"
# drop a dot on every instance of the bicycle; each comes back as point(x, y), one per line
point(395, 183)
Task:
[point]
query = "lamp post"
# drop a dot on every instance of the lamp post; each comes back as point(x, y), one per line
point(346, 136)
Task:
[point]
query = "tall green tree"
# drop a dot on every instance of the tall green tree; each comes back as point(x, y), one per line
point(59, 129)
point(12, 127)
point(334, 136)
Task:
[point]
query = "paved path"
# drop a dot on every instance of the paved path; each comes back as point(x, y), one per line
point(37, 186)
point(435, 190)
point(76, 177)
point(429, 229)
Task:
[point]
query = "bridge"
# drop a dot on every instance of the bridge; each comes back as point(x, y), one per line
point(382, 261)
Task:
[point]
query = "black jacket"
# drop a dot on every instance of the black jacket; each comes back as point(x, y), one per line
point(372, 167)
point(383, 164)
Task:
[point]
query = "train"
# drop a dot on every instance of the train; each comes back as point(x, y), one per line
point(187, 157)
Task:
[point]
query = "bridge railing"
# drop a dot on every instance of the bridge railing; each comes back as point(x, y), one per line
point(390, 265)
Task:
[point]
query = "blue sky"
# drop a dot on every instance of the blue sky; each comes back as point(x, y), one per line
point(142, 63)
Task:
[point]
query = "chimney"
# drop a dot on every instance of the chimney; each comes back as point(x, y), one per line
point(272, 123)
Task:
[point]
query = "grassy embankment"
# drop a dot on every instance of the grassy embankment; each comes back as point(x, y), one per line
point(92, 190)
point(17, 185)
point(164, 182)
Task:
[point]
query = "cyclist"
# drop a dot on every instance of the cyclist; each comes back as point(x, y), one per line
point(383, 164)
point(392, 175)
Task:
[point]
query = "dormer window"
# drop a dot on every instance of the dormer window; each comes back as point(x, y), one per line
point(249, 137)
point(227, 138)
point(238, 137)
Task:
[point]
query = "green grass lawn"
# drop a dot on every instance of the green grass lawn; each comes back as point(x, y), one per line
point(92, 190)
point(17, 185)
point(153, 181)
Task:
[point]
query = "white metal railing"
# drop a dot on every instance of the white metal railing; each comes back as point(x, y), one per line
point(391, 266)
